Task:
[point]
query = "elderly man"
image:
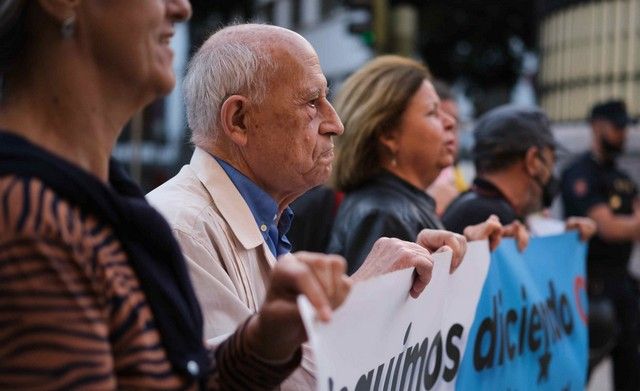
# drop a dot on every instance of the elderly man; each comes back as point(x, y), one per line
point(262, 126)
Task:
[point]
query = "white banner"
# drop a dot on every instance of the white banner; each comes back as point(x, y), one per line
point(383, 339)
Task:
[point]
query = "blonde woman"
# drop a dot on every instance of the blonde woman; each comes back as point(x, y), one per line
point(397, 139)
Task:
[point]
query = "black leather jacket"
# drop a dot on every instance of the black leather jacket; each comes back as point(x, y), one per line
point(384, 206)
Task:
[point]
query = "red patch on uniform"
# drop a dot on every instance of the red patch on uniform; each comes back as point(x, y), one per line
point(580, 187)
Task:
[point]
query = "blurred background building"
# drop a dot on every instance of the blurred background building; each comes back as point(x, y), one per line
point(561, 54)
point(589, 51)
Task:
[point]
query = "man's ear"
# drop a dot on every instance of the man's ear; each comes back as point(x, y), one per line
point(531, 161)
point(233, 118)
point(598, 127)
point(59, 10)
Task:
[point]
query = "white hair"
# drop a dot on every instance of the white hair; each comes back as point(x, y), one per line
point(219, 69)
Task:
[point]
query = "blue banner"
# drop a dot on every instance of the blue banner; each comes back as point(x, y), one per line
point(530, 327)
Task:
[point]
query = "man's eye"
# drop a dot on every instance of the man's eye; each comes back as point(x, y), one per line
point(313, 103)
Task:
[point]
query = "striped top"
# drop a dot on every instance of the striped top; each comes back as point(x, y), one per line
point(73, 314)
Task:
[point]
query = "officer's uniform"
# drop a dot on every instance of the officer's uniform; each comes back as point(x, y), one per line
point(585, 184)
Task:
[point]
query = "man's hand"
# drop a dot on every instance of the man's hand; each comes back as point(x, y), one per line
point(490, 229)
point(494, 231)
point(519, 232)
point(276, 332)
point(585, 226)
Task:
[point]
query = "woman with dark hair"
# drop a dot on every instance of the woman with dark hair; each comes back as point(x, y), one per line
point(397, 139)
point(95, 292)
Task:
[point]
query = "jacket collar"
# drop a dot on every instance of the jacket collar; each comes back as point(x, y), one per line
point(227, 199)
point(388, 178)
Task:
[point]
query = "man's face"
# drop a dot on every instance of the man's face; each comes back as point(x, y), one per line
point(289, 147)
point(611, 139)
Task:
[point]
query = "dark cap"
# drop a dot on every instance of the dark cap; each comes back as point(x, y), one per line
point(614, 111)
point(511, 130)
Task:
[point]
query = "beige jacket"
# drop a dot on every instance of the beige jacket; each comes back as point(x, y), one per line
point(228, 260)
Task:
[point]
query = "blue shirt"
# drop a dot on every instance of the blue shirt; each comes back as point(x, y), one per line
point(264, 210)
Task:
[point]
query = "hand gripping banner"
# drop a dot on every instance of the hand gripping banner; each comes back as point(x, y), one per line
point(502, 321)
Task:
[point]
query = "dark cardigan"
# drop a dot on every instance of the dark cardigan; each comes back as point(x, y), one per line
point(152, 251)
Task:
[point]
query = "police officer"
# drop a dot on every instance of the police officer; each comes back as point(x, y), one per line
point(594, 186)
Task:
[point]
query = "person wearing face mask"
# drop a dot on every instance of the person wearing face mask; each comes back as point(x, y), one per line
point(594, 186)
point(514, 157)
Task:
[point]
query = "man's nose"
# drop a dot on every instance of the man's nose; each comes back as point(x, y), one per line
point(448, 121)
point(331, 123)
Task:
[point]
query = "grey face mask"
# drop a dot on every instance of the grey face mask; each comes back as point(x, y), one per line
point(550, 189)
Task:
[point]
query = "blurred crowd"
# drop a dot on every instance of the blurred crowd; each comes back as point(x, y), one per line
point(194, 285)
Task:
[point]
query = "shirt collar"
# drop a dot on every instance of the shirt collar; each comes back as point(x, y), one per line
point(487, 189)
point(264, 210)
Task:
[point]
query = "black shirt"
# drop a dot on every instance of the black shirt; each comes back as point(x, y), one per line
point(587, 183)
point(476, 205)
point(314, 212)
